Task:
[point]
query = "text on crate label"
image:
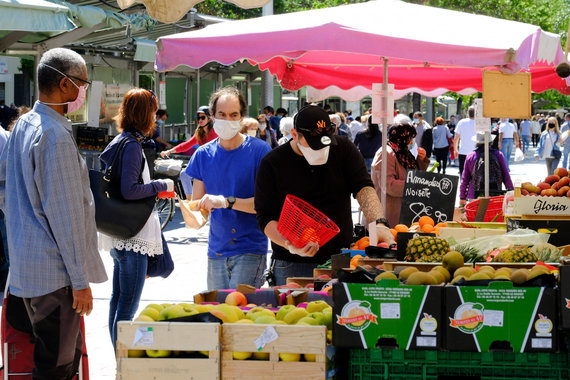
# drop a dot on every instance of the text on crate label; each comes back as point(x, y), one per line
point(541, 205)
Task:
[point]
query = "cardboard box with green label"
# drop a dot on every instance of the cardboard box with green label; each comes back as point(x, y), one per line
point(501, 317)
point(387, 314)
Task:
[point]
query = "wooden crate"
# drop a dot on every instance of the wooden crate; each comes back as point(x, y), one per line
point(513, 266)
point(320, 271)
point(292, 339)
point(303, 281)
point(174, 336)
point(372, 262)
point(424, 267)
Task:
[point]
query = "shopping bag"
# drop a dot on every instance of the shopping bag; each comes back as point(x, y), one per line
point(519, 155)
point(193, 217)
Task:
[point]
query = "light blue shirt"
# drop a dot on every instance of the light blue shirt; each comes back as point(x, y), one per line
point(50, 214)
point(565, 127)
point(231, 173)
point(525, 128)
point(440, 135)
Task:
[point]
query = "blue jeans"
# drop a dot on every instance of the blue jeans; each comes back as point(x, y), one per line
point(525, 143)
point(368, 162)
point(507, 148)
point(284, 269)
point(565, 156)
point(229, 272)
point(129, 274)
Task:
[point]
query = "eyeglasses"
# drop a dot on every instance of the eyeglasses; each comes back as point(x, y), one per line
point(86, 83)
point(201, 117)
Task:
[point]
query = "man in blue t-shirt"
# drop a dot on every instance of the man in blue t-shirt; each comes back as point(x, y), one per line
point(224, 173)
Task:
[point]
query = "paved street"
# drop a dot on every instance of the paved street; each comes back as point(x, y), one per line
point(188, 249)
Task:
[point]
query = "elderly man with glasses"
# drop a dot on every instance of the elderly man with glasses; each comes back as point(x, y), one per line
point(52, 237)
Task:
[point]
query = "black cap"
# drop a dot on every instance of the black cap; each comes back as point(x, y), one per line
point(316, 126)
point(204, 109)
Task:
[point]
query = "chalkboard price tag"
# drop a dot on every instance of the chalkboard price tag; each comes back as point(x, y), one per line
point(430, 194)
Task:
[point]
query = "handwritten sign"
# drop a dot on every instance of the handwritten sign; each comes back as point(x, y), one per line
point(430, 194)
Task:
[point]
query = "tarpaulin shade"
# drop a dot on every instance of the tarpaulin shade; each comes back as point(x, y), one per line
point(343, 46)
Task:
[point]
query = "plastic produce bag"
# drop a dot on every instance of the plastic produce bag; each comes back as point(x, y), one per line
point(168, 167)
point(488, 243)
point(519, 155)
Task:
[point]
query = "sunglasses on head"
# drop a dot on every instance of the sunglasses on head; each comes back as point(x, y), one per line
point(328, 130)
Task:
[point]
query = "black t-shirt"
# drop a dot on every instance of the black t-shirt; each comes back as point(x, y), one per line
point(326, 187)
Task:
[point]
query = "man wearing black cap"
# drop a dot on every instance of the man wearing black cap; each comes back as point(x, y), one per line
point(323, 170)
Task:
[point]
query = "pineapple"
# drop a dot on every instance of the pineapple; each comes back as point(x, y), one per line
point(545, 252)
point(515, 254)
point(427, 249)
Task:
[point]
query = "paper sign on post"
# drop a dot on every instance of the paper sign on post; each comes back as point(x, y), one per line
point(482, 124)
point(379, 105)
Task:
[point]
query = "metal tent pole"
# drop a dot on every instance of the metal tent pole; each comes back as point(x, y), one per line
point(384, 120)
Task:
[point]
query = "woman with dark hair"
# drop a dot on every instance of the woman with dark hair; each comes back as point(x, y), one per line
point(135, 121)
point(473, 176)
point(204, 134)
point(398, 160)
point(368, 141)
point(441, 136)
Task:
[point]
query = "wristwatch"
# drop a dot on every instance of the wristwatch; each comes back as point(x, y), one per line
point(384, 221)
point(231, 200)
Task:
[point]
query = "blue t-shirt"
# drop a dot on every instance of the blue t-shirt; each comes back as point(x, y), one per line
point(231, 173)
point(525, 128)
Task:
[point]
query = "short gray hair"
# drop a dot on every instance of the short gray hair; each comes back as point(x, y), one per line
point(286, 125)
point(65, 60)
point(335, 118)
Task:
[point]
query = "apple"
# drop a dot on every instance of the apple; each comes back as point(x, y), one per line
point(283, 310)
point(524, 192)
point(261, 355)
point(257, 312)
point(289, 357)
point(319, 317)
point(310, 357)
point(325, 276)
point(151, 313)
point(563, 191)
point(170, 312)
point(552, 179)
point(159, 307)
point(236, 299)
point(319, 305)
point(245, 321)
point(229, 311)
point(328, 315)
point(561, 172)
point(307, 321)
point(543, 186)
point(564, 181)
point(144, 318)
point(241, 355)
point(157, 353)
point(265, 320)
point(310, 286)
point(187, 313)
point(294, 315)
point(292, 285)
point(548, 193)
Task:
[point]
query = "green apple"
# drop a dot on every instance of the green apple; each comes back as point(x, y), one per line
point(155, 306)
point(144, 318)
point(310, 357)
point(157, 353)
point(283, 310)
point(319, 317)
point(317, 306)
point(186, 313)
point(328, 314)
point(258, 313)
point(151, 313)
point(245, 321)
point(307, 321)
point(294, 315)
point(229, 311)
point(170, 312)
point(261, 355)
point(265, 319)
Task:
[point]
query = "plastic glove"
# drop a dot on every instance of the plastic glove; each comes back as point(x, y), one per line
point(165, 153)
point(421, 154)
point(384, 234)
point(210, 202)
point(307, 251)
point(169, 192)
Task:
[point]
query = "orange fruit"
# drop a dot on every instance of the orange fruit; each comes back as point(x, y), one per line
point(394, 233)
point(414, 224)
point(442, 224)
point(401, 228)
point(427, 228)
point(426, 220)
point(354, 260)
point(436, 230)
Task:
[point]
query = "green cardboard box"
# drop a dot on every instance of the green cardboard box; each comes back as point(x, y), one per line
point(387, 314)
point(501, 317)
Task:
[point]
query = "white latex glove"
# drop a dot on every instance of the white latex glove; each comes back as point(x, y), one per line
point(384, 234)
point(210, 202)
point(169, 184)
point(307, 251)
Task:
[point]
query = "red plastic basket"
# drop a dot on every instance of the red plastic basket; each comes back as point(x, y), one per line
point(495, 207)
point(301, 223)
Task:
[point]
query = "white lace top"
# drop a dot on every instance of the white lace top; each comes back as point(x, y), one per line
point(147, 242)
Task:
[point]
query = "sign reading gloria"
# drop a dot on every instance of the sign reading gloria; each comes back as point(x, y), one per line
point(430, 194)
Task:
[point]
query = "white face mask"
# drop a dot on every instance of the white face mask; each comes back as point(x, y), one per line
point(262, 126)
point(227, 129)
point(251, 132)
point(315, 157)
